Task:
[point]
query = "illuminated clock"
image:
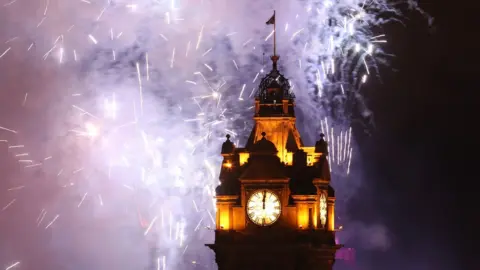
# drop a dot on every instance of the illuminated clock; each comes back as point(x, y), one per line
point(323, 209)
point(263, 207)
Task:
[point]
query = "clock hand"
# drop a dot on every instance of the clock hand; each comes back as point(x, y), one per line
point(263, 212)
point(264, 196)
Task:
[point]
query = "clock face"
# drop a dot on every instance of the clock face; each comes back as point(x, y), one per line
point(263, 207)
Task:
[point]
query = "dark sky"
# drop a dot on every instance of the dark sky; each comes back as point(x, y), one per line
point(418, 159)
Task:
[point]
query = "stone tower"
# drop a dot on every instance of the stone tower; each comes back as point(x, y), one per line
point(275, 205)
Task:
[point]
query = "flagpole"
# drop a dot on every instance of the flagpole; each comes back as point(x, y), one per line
point(274, 35)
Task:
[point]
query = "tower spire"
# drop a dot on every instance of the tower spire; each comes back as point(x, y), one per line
point(274, 57)
point(274, 35)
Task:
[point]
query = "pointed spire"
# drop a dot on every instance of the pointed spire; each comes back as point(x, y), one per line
point(275, 57)
point(273, 21)
point(274, 87)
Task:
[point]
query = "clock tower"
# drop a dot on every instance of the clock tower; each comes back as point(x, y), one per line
point(275, 204)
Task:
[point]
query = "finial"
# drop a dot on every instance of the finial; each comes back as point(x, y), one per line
point(263, 134)
point(228, 147)
point(274, 60)
point(321, 145)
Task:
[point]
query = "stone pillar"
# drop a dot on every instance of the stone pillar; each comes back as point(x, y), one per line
point(331, 214)
point(225, 212)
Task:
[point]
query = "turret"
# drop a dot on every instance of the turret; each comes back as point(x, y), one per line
point(228, 153)
point(274, 96)
point(229, 171)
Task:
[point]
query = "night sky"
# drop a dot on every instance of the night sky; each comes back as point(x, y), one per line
point(416, 158)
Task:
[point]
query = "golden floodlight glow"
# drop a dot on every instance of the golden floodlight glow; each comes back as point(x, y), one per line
point(323, 209)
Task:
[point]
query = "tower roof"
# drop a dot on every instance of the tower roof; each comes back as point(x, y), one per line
point(275, 80)
point(263, 146)
point(264, 168)
point(264, 162)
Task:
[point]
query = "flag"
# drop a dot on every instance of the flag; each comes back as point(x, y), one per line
point(271, 20)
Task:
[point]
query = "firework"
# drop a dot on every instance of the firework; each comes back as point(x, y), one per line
point(148, 91)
